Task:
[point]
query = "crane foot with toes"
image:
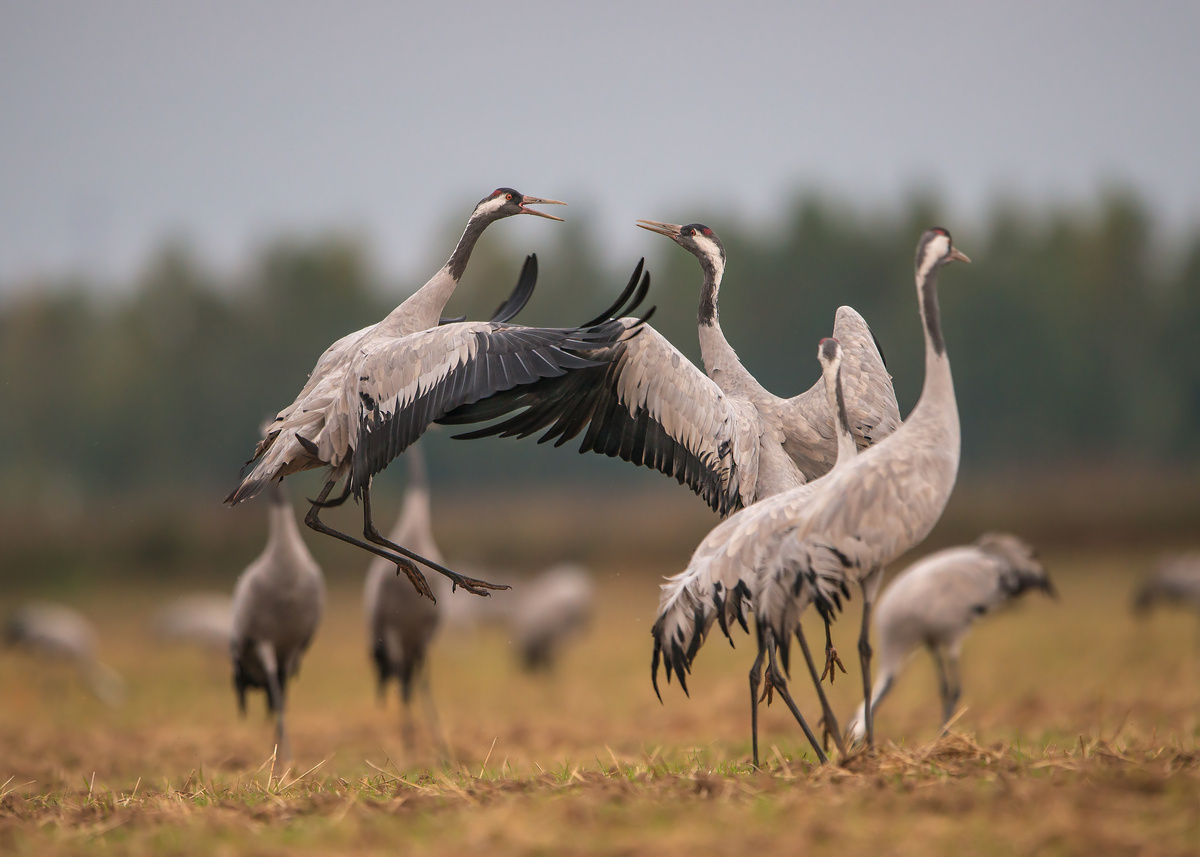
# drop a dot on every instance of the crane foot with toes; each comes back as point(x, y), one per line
point(832, 660)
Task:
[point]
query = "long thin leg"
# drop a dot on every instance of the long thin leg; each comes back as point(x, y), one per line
point(943, 683)
point(828, 718)
point(953, 690)
point(313, 521)
point(372, 534)
point(864, 656)
point(275, 698)
point(755, 673)
point(435, 723)
point(775, 677)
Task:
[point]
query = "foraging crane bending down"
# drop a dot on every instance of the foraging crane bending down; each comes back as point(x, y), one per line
point(57, 631)
point(1176, 580)
point(936, 600)
point(547, 611)
point(721, 433)
point(724, 577)
point(277, 605)
point(400, 622)
point(374, 392)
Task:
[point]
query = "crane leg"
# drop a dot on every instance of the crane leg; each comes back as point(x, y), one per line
point(864, 655)
point(831, 655)
point(948, 684)
point(372, 534)
point(313, 521)
point(776, 680)
point(755, 676)
point(431, 714)
point(275, 699)
point(827, 717)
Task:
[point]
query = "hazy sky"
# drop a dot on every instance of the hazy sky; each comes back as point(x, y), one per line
point(229, 122)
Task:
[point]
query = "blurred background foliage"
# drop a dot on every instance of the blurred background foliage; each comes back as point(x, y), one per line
point(1073, 340)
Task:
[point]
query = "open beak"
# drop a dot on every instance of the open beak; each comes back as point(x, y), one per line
point(671, 230)
point(958, 255)
point(534, 200)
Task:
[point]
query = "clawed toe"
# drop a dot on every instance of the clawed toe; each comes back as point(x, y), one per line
point(831, 661)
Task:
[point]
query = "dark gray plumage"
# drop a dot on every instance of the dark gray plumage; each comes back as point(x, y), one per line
point(935, 602)
point(277, 605)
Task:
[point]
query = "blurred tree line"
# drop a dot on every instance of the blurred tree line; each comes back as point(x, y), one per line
point(1073, 339)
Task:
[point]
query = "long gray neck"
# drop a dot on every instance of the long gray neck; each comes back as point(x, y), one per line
point(709, 312)
point(283, 532)
point(847, 448)
point(462, 253)
point(720, 360)
point(423, 308)
point(939, 384)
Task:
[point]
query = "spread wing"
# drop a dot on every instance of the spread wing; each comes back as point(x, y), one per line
point(377, 404)
point(809, 427)
point(649, 405)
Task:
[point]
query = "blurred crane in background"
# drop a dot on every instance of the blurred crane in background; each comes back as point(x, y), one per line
point(547, 611)
point(60, 632)
point(401, 623)
point(277, 604)
point(936, 601)
point(202, 618)
point(1175, 580)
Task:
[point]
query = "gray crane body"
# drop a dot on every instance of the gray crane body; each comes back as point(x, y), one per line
point(401, 624)
point(1175, 580)
point(277, 605)
point(937, 600)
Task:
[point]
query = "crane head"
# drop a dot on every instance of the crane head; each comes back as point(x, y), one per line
point(696, 238)
point(829, 351)
point(505, 202)
point(936, 249)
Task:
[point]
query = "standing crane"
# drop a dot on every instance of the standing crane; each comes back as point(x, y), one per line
point(401, 623)
point(936, 601)
point(721, 433)
point(547, 611)
point(723, 578)
point(882, 503)
point(373, 392)
point(277, 605)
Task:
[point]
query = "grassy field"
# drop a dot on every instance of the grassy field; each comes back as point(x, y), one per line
point(1079, 736)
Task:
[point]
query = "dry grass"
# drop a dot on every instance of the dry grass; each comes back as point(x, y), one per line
point(1080, 736)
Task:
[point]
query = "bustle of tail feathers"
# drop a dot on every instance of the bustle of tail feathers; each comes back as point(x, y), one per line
point(805, 571)
point(690, 606)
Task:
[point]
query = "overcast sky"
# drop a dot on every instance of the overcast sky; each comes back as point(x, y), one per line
point(230, 122)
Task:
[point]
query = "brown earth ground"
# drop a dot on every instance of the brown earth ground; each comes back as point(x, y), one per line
point(1079, 736)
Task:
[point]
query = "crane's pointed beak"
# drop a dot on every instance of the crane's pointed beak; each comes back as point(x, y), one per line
point(958, 255)
point(536, 200)
point(671, 230)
